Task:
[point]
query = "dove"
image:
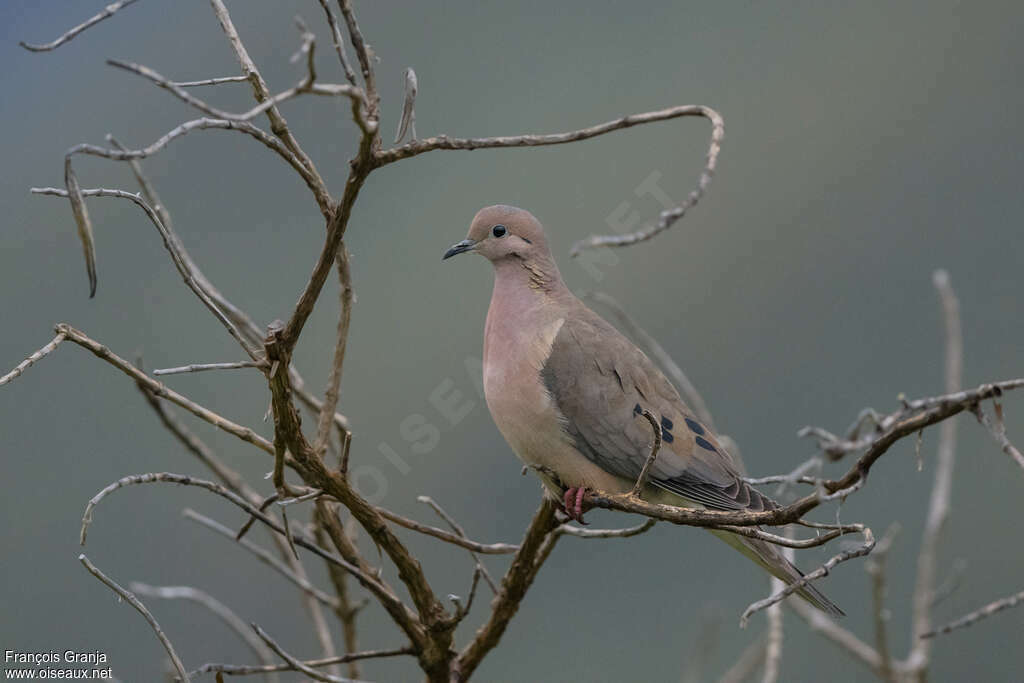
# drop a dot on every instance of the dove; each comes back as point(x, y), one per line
point(567, 391)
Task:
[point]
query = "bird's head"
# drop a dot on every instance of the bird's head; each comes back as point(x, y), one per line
point(500, 232)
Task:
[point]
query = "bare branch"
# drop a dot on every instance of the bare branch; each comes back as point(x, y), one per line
point(32, 359)
point(365, 57)
point(822, 571)
point(330, 403)
point(454, 539)
point(979, 614)
point(141, 609)
point(222, 611)
point(339, 42)
point(212, 81)
point(997, 428)
point(264, 556)
point(514, 585)
point(747, 662)
point(875, 567)
point(580, 532)
point(296, 664)
point(457, 528)
point(277, 122)
point(107, 12)
point(203, 367)
point(158, 389)
point(655, 447)
point(244, 670)
point(824, 625)
point(939, 504)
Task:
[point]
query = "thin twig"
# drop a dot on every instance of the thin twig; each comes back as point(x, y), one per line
point(978, 614)
point(938, 507)
point(339, 42)
point(107, 12)
point(875, 567)
point(146, 614)
point(822, 571)
point(246, 670)
point(297, 664)
point(457, 528)
point(454, 539)
point(222, 611)
point(203, 367)
point(997, 428)
point(211, 81)
point(277, 122)
point(158, 389)
point(746, 664)
point(641, 480)
point(32, 359)
point(264, 557)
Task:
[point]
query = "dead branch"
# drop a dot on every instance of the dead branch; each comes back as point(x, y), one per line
point(35, 357)
point(222, 611)
point(978, 614)
point(141, 609)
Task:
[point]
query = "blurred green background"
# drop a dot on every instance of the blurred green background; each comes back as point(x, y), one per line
point(866, 145)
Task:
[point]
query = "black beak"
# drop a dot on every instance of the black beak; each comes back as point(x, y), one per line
point(456, 249)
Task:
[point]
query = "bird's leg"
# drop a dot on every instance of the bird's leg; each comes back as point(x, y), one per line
point(573, 503)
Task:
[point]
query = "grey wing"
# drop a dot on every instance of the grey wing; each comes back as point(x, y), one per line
point(601, 383)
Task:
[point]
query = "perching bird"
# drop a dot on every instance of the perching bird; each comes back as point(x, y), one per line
point(566, 390)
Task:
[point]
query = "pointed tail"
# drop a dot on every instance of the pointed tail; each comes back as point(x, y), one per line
point(771, 559)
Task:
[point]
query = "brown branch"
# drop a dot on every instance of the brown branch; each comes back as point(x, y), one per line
point(365, 57)
point(107, 12)
point(514, 584)
point(978, 614)
point(34, 358)
point(262, 93)
point(330, 403)
point(655, 447)
point(346, 611)
point(141, 609)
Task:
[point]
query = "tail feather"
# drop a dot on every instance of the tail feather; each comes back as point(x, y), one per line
point(771, 559)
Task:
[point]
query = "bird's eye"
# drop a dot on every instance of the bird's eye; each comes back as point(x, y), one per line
point(499, 231)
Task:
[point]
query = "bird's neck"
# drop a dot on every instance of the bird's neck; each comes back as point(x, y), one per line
point(527, 294)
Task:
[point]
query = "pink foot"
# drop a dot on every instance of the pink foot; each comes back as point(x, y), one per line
point(572, 503)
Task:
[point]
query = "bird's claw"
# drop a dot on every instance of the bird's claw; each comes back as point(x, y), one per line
point(572, 503)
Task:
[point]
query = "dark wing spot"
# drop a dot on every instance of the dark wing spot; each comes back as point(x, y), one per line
point(640, 391)
point(694, 426)
point(666, 423)
point(618, 378)
point(705, 444)
point(638, 410)
point(666, 436)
